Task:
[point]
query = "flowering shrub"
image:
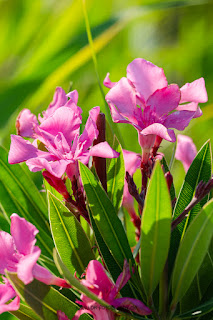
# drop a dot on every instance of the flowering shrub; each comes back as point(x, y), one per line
point(83, 229)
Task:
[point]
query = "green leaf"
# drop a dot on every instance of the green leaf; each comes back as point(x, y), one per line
point(192, 251)
point(200, 284)
point(69, 237)
point(104, 214)
point(113, 238)
point(43, 299)
point(200, 169)
point(155, 230)
point(111, 264)
point(18, 194)
point(25, 313)
point(18, 182)
point(199, 311)
point(116, 176)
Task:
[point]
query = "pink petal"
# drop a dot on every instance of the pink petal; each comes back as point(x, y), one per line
point(123, 96)
point(25, 123)
point(198, 113)
point(56, 168)
point(23, 233)
point(132, 305)
point(96, 276)
point(45, 276)
point(79, 313)
point(103, 150)
point(185, 151)
point(121, 281)
point(108, 83)
point(73, 95)
point(194, 91)
point(6, 293)
point(64, 120)
point(7, 251)
point(61, 315)
point(59, 100)
point(21, 150)
point(26, 265)
point(61, 144)
point(164, 100)
point(179, 119)
point(192, 106)
point(159, 130)
point(146, 77)
point(116, 116)
point(90, 131)
point(132, 161)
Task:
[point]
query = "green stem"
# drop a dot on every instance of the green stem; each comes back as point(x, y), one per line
point(90, 39)
point(154, 311)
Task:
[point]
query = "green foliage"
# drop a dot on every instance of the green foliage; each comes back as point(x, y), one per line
point(25, 313)
point(19, 194)
point(69, 237)
point(192, 251)
point(105, 217)
point(116, 176)
point(155, 230)
point(200, 169)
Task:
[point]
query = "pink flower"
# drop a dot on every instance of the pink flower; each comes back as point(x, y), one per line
point(19, 254)
point(58, 144)
point(145, 100)
point(97, 281)
point(7, 293)
point(185, 151)
point(27, 121)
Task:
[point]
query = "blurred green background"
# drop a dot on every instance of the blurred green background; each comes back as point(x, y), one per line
point(43, 44)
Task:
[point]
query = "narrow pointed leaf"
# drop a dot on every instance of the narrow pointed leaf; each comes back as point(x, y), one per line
point(155, 230)
point(116, 176)
point(192, 251)
point(200, 169)
point(69, 237)
point(111, 264)
point(19, 183)
point(200, 284)
point(10, 203)
point(199, 311)
point(104, 214)
point(43, 299)
point(25, 313)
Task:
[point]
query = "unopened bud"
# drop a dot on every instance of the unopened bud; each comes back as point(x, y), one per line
point(169, 179)
point(57, 183)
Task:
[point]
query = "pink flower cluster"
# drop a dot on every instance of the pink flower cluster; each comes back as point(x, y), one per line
point(97, 281)
point(145, 100)
point(57, 144)
point(19, 254)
